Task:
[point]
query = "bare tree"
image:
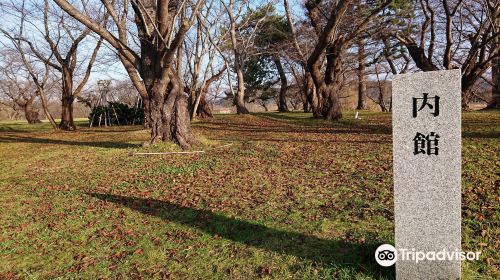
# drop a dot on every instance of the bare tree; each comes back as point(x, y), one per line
point(309, 89)
point(160, 33)
point(202, 70)
point(467, 30)
point(495, 69)
point(19, 90)
point(243, 25)
point(41, 77)
point(60, 51)
point(344, 23)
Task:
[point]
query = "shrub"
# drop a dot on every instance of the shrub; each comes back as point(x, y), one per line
point(116, 113)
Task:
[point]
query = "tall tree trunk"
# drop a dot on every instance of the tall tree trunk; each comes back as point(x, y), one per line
point(204, 111)
point(167, 111)
point(239, 98)
point(67, 121)
point(30, 113)
point(305, 96)
point(361, 75)
point(332, 109)
point(45, 107)
point(467, 92)
point(282, 106)
point(198, 103)
point(314, 99)
point(146, 104)
point(495, 71)
point(316, 103)
point(330, 89)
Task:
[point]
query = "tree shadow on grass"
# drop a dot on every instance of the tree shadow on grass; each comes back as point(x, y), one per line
point(381, 130)
point(35, 140)
point(337, 254)
point(481, 134)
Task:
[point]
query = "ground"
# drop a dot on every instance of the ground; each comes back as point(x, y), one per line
point(291, 198)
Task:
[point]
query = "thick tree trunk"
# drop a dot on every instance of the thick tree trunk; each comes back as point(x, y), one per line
point(420, 58)
point(314, 100)
point(67, 121)
point(282, 106)
point(204, 111)
point(168, 114)
point(330, 89)
point(467, 94)
point(361, 75)
point(331, 108)
point(239, 99)
point(30, 114)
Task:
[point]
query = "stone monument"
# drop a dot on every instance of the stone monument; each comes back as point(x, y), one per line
point(427, 172)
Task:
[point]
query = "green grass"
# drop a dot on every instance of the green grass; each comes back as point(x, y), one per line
point(292, 198)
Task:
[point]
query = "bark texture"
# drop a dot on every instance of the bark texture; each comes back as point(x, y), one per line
point(361, 76)
point(31, 114)
point(67, 99)
point(239, 98)
point(282, 106)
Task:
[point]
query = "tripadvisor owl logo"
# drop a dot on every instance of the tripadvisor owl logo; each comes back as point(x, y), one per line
point(385, 255)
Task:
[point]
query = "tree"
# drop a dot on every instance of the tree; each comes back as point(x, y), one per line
point(243, 24)
point(344, 23)
point(19, 91)
point(160, 33)
point(60, 50)
point(202, 71)
point(495, 69)
point(467, 31)
point(38, 71)
point(274, 32)
point(270, 41)
point(361, 74)
point(260, 76)
point(310, 99)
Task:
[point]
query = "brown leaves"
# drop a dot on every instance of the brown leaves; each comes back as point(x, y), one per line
point(299, 175)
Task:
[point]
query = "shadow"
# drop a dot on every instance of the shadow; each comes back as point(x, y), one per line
point(335, 253)
point(482, 135)
point(304, 141)
point(111, 130)
point(97, 144)
point(360, 129)
point(11, 129)
point(299, 124)
point(288, 116)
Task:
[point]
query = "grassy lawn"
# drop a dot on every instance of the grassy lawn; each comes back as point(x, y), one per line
point(292, 198)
